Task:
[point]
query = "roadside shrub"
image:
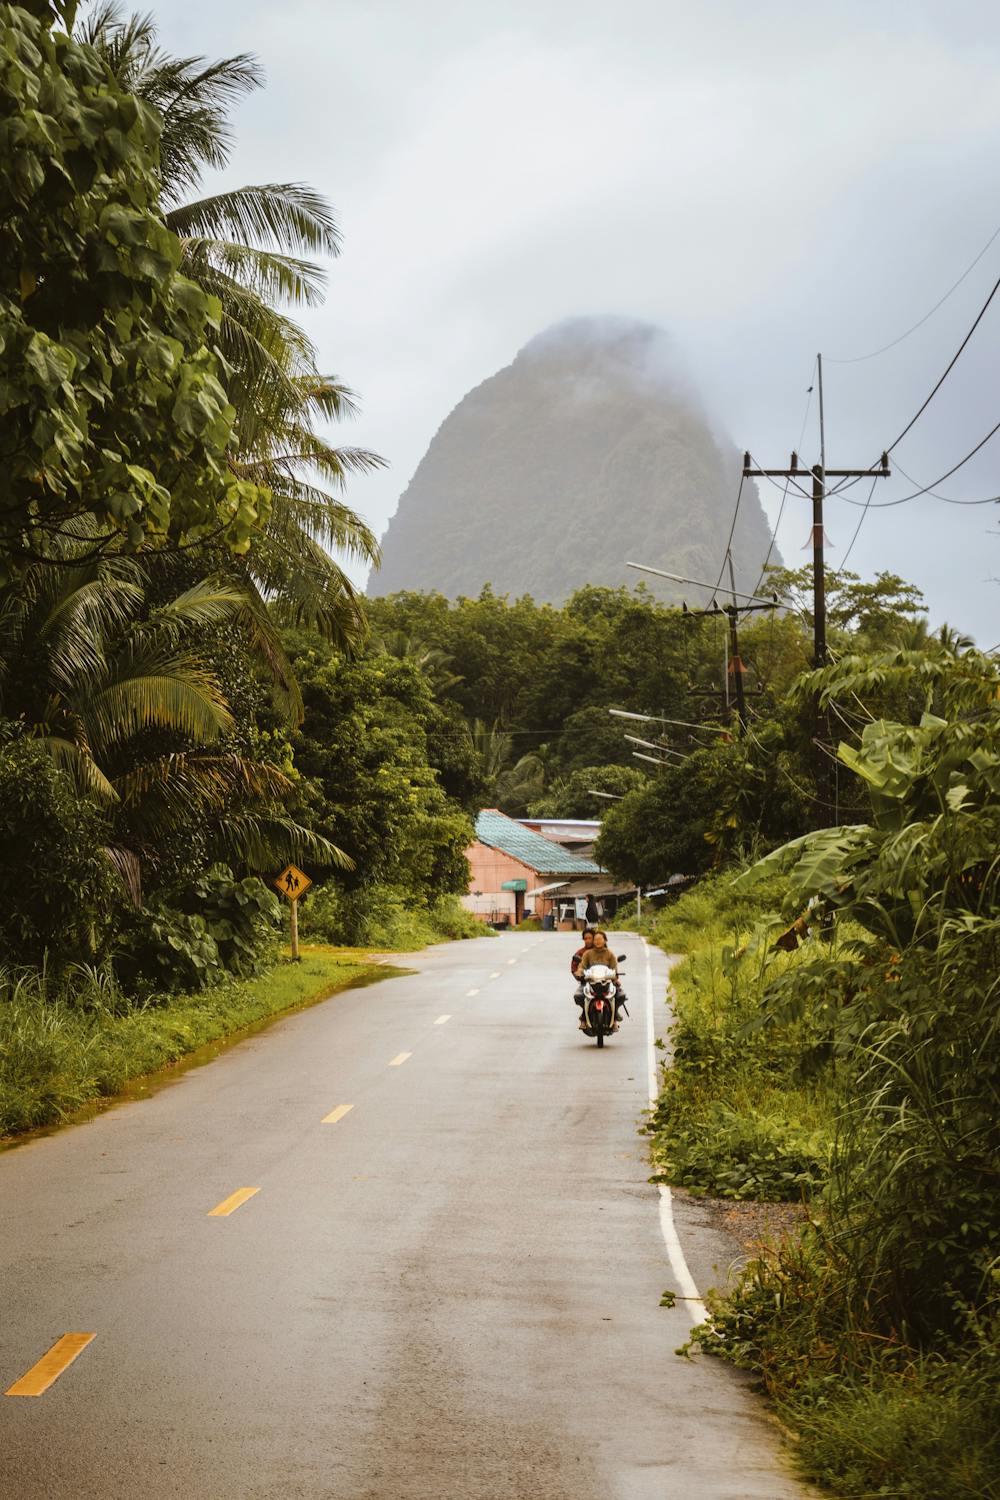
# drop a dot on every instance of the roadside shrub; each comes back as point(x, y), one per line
point(58, 893)
point(72, 1038)
point(166, 951)
point(450, 919)
point(873, 1415)
point(242, 917)
point(739, 1114)
point(380, 916)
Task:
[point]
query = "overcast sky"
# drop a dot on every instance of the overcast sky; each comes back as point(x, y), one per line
point(764, 180)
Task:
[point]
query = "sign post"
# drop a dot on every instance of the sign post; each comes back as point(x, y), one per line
point(293, 883)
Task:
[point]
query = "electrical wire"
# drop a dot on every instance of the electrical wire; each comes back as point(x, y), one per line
point(928, 489)
point(948, 499)
point(947, 371)
point(732, 530)
point(861, 522)
point(784, 497)
point(860, 358)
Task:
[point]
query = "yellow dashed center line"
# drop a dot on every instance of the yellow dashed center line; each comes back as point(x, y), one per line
point(496, 975)
point(399, 1059)
point(512, 960)
point(441, 1020)
point(232, 1203)
point(336, 1114)
point(59, 1358)
point(469, 994)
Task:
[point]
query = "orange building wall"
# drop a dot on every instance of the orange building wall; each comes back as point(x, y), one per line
point(489, 868)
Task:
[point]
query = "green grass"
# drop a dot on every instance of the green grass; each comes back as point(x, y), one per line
point(386, 918)
point(64, 1048)
point(751, 1109)
point(736, 1117)
point(926, 1432)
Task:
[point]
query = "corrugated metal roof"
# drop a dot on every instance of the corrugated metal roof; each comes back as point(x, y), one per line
point(534, 850)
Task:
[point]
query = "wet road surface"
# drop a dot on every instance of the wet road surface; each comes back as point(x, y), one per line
point(445, 1284)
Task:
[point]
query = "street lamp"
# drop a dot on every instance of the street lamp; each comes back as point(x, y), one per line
point(624, 713)
point(699, 583)
point(652, 745)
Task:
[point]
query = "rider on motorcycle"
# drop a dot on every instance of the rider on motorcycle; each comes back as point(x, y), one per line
point(599, 953)
point(588, 943)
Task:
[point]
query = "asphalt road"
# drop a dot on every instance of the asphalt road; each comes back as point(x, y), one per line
point(447, 1292)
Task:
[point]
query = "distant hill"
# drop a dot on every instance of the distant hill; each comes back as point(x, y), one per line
point(586, 452)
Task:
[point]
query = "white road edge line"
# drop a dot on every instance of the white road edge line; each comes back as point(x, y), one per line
point(685, 1281)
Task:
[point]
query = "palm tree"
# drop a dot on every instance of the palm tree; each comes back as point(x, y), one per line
point(434, 663)
point(513, 784)
point(246, 246)
point(122, 693)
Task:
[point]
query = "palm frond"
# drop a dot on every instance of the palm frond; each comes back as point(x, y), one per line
point(89, 779)
point(81, 622)
point(128, 868)
point(326, 396)
point(289, 215)
point(264, 843)
point(177, 693)
point(206, 605)
point(306, 510)
point(161, 796)
point(303, 447)
point(307, 588)
point(278, 278)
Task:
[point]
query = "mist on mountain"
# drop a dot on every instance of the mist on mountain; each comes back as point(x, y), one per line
point(590, 450)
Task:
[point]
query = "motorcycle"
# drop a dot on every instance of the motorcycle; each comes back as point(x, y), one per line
point(600, 996)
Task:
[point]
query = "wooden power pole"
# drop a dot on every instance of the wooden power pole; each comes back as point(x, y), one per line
point(819, 477)
point(820, 474)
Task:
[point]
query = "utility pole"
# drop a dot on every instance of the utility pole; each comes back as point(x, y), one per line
point(734, 663)
point(820, 474)
point(819, 477)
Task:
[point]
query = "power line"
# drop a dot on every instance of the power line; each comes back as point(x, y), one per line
point(948, 368)
point(860, 358)
point(784, 496)
point(732, 530)
point(928, 489)
point(948, 499)
point(861, 522)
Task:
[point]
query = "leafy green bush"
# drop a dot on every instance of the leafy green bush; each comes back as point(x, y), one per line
point(242, 917)
point(738, 1115)
point(872, 1414)
point(877, 1331)
point(58, 893)
point(166, 951)
point(379, 916)
point(217, 925)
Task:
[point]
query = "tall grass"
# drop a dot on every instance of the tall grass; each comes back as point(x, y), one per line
point(385, 917)
point(740, 1115)
point(68, 1041)
point(876, 1330)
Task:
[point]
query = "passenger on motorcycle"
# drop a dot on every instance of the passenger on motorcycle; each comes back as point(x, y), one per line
point(588, 943)
point(599, 953)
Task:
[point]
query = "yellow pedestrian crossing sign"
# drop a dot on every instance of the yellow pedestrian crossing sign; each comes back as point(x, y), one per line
point(293, 882)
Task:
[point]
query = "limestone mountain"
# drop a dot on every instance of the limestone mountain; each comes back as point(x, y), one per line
point(588, 451)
